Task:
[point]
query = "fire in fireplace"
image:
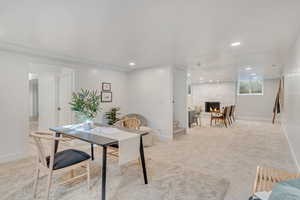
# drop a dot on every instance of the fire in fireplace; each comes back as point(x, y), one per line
point(212, 106)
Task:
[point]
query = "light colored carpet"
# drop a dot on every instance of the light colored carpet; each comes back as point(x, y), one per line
point(167, 182)
point(204, 165)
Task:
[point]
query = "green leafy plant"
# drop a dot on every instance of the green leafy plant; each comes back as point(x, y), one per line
point(112, 115)
point(86, 102)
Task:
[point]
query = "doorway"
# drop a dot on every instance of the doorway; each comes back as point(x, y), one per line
point(50, 92)
point(33, 102)
point(179, 101)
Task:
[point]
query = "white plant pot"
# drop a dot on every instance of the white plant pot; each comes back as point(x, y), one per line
point(88, 124)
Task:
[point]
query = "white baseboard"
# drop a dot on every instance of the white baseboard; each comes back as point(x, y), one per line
point(251, 118)
point(11, 157)
point(248, 118)
point(291, 148)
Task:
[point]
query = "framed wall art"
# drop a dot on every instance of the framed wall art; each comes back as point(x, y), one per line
point(106, 86)
point(106, 97)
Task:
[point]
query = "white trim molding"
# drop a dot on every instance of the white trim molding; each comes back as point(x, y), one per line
point(12, 157)
point(27, 50)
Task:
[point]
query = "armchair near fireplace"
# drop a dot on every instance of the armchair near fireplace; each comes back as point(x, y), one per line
point(194, 116)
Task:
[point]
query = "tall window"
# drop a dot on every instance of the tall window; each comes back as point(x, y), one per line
point(250, 87)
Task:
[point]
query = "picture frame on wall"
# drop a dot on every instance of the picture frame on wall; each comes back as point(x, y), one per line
point(106, 97)
point(106, 86)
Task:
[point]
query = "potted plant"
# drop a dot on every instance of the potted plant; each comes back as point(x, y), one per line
point(86, 105)
point(112, 115)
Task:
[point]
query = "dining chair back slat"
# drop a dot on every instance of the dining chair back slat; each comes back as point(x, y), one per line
point(50, 161)
point(38, 138)
point(233, 112)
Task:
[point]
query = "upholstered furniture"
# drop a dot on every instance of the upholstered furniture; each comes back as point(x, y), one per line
point(142, 119)
point(192, 118)
point(57, 162)
point(147, 139)
point(131, 123)
point(198, 111)
point(266, 178)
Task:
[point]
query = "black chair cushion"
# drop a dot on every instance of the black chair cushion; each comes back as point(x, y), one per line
point(114, 145)
point(68, 158)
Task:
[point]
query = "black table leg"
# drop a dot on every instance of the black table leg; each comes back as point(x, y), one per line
point(92, 151)
point(104, 172)
point(56, 143)
point(143, 160)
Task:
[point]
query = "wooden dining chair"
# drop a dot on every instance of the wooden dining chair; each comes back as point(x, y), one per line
point(228, 115)
point(220, 117)
point(230, 119)
point(232, 116)
point(130, 123)
point(59, 162)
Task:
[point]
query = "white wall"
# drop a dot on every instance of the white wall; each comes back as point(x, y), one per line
point(14, 95)
point(290, 119)
point(150, 94)
point(180, 97)
point(224, 93)
point(249, 107)
point(258, 107)
point(14, 107)
point(93, 78)
point(47, 102)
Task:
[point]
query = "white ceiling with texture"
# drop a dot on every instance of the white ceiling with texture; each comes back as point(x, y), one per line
point(153, 32)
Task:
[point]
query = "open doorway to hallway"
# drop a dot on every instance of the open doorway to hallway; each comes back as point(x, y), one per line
point(179, 102)
point(33, 102)
point(50, 91)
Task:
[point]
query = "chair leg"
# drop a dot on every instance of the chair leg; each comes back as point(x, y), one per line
point(229, 121)
point(225, 123)
point(140, 163)
point(36, 181)
point(72, 173)
point(88, 175)
point(49, 183)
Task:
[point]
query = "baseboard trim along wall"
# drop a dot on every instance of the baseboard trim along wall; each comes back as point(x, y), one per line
point(254, 118)
point(11, 157)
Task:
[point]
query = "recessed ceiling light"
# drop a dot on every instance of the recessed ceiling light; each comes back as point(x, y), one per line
point(188, 74)
point(248, 68)
point(201, 79)
point(253, 74)
point(234, 44)
point(132, 64)
point(210, 81)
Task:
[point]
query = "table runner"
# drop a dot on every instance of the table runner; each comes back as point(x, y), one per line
point(129, 143)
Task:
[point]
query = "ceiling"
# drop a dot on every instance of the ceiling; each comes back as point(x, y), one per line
point(194, 33)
